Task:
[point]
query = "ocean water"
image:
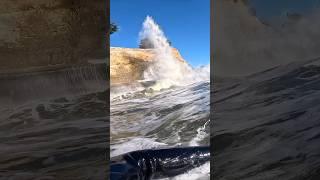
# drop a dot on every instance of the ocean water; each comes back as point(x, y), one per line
point(54, 125)
point(267, 126)
point(177, 116)
point(169, 107)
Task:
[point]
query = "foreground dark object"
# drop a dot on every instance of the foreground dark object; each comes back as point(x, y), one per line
point(157, 163)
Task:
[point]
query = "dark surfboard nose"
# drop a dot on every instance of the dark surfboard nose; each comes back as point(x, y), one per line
point(175, 161)
point(159, 163)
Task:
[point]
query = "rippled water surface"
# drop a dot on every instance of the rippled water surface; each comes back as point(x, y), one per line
point(52, 136)
point(177, 116)
point(267, 125)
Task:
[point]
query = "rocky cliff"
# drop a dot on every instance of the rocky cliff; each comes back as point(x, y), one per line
point(128, 64)
point(236, 37)
point(51, 33)
point(243, 44)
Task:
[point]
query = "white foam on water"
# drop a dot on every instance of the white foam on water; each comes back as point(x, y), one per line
point(201, 134)
point(203, 73)
point(200, 173)
point(135, 144)
point(120, 92)
point(165, 69)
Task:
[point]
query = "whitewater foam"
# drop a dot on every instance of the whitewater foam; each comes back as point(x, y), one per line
point(135, 144)
point(201, 134)
point(172, 102)
point(201, 172)
point(165, 69)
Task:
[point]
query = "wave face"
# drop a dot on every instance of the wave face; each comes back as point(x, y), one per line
point(54, 124)
point(172, 117)
point(169, 107)
point(266, 126)
point(55, 138)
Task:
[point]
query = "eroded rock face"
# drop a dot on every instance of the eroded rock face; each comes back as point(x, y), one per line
point(234, 28)
point(43, 33)
point(243, 44)
point(128, 64)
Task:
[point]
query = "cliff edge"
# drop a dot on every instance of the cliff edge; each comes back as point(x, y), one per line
point(128, 64)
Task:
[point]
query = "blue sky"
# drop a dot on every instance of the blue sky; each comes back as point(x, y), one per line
point(186, 23)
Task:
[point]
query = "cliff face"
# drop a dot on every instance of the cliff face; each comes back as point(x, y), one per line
point(42, 33)
point(236, 37)
point(243, 44)
point(128, 64)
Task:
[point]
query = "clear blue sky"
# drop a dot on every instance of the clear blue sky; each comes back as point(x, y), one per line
point(186, 23)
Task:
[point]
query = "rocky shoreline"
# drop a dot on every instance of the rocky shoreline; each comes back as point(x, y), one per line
point(128, 64)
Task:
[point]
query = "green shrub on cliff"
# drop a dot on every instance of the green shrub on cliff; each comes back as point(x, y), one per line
point(113, 28)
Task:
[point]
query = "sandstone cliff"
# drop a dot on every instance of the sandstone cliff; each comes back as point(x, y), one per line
point(128, 64)
point(243, 44)
point(51, 33)
point(236, 37)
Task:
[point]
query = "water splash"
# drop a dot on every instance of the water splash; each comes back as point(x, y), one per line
point(135, 144)
point(166, 69)
point(201, 134)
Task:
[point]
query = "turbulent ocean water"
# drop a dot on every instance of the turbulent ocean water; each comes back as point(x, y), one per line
point(266, 126)
point(54, 125)
point(178, 116)
point(169, 107)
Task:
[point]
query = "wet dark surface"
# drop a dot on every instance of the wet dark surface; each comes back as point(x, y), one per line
point(48, 135)
point(173, 117)
point(158, 163)
point(267, 126)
